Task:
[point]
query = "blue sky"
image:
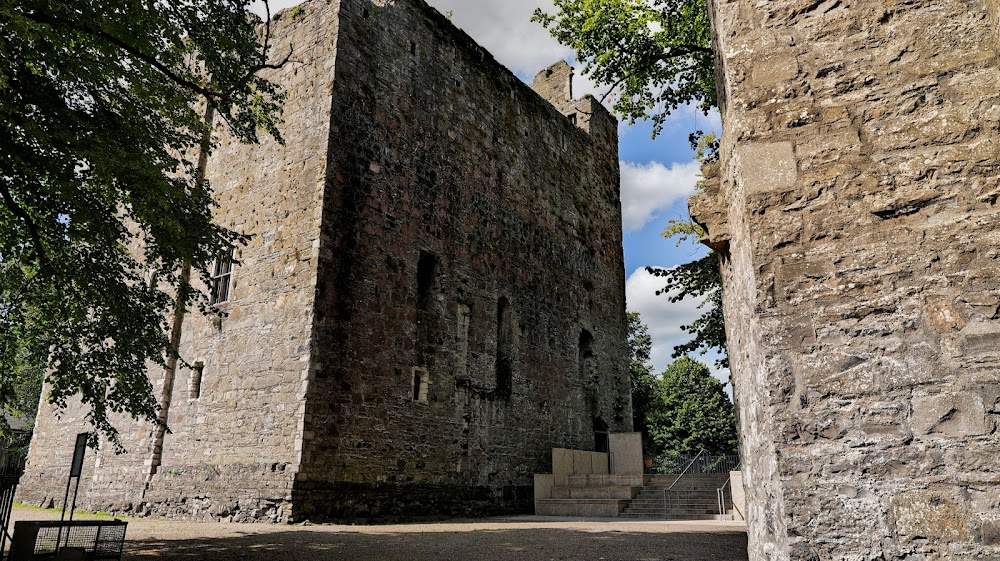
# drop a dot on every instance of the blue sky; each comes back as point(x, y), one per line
point(657, 175)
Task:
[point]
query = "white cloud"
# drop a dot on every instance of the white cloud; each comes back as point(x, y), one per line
point(274, 5)
point(503, 27)
point(664, 320)
point(650, 188)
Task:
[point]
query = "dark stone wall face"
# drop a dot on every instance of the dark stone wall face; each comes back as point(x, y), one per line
point(471, 241)
point(857, 194)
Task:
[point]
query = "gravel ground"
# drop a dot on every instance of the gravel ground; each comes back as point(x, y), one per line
point(496, 539)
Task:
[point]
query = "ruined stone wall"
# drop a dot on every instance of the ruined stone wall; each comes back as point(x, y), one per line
point(233, 450)
point(858, 197)
point(472, 232)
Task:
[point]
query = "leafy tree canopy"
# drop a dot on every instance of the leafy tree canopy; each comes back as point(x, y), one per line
point(690, 411)
point(641, 374)
point(102, 122)
point(655, 54)
point(698, 279)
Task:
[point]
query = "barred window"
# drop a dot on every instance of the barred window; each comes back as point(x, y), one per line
point(221, 278)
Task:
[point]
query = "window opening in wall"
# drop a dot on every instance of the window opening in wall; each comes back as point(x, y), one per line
point(413, 47)
point(194, 384)
point(585, 358)
point(505, 348)
point(601, 436)
point(222, 275)
point(426, 267)
point(463, 320)
point(421, 381)
point(572, 118)
point(427, 312)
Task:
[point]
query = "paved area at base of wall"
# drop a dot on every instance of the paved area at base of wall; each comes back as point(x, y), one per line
point(497, 539)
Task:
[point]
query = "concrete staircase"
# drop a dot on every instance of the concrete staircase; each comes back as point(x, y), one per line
point(694, 497)
point(590, 495)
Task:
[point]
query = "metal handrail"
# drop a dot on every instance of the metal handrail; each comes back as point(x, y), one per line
point(721, 495)
point(686, 468)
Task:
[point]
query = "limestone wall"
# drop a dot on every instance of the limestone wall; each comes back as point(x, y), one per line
point(473, 233)
point(233, 451)
point(433, 297)
point(857, 195)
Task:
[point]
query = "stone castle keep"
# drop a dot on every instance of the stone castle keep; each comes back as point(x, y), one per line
point(432, 300)
point(855, 210)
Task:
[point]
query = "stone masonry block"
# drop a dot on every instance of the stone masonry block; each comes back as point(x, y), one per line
point(930, 514)
point(766, 167)
point(950, 414)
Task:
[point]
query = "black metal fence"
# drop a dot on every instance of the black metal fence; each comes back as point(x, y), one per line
point(90, 540)
point(676, 463)
point(12, 458)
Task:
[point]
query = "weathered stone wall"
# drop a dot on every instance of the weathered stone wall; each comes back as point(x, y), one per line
point(233, 450)
point(473, 232)
point(858, 198)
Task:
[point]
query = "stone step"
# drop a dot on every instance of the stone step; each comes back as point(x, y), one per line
point(641, 516)
point(660, 505)
point(660, 516)
point(702, 499)
point(601, 480)
point(580, 507)
point(693, 494)
point(670, 479)
point(593, 492)
point(692, 497)
point(698, 510)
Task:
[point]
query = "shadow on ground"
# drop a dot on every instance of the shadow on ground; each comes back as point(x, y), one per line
point(485, 545)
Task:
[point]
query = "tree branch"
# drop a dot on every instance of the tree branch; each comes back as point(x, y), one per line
point(166, 70)
point(681, 51)
point(38, 249)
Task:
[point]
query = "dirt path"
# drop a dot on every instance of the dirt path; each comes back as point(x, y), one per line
point(515, 538)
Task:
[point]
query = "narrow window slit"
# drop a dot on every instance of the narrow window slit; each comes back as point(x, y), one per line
point(194, 384)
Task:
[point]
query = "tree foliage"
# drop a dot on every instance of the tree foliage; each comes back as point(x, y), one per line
point(655, 55)
point(102, 122)
point(698, 279)
point(690, 411)
point(641, 374)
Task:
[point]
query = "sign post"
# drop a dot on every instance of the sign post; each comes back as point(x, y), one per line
point(75, 471)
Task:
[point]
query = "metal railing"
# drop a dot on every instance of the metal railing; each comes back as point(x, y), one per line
point(700, 463)
point(721, 495)
point(721, 492)
point(11, 467)
point(93, 540)
point(666, 513)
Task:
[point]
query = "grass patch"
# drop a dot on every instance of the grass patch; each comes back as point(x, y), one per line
point(98, 514)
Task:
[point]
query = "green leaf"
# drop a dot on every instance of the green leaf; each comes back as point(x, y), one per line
point(98, 113)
